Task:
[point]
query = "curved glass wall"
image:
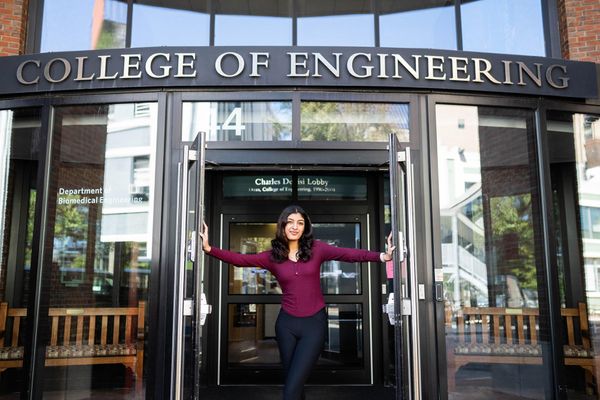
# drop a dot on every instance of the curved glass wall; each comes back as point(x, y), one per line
point(335, 23)
point(491, 250)
point(19, 160)
point(419, 24)
point(503, 26)
point(574, 149)
point(495, 26)
point(253, 23)
point(99, 240)
point(324, 121)
point(92, 25)
point(352, 122)
point(155, 24)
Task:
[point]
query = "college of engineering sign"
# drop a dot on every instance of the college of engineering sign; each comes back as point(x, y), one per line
point(296, 66)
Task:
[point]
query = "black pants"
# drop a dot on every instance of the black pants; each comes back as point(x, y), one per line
point(300, 341)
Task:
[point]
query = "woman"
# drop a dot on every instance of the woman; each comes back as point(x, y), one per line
point(295, 260)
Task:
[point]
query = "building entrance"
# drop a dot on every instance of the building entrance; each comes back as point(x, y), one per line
point(237, 346)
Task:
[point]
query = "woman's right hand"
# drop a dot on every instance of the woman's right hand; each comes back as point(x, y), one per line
point(204, 237)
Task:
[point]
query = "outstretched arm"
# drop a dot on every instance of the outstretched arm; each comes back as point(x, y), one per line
point(261, 260)
point(358, 255)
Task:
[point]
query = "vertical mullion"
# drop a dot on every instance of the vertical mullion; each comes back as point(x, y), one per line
point(33, 365)
point(292, 4)
point(375, 9)
point(211, 10)
point(129, 23)
point(550, 316)
point(458, 19)
point(296, 123)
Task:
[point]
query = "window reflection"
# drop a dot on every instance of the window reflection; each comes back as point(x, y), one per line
point(238, 120)
point(252, 238)
point(358, 122)
point(339, 277)
point(179, 24)
point(335, 23)
point(253, 23)
point(100, 240)
point(574, 148)
point(419, 24)
point(251, 336)
point(93, 24)
point(490, 250)
point(19, 152)
point(503, 26)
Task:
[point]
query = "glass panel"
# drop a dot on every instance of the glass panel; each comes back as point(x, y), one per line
point(99, 229)
point(251, 336)
point(419, 24)
point(574, 147)
point(19, 155)
point(491, 252)
point(251, 238)
point(238, 120)
point(323, 187)
point(91, 25)
point(357, 122)
point(503, 26)
point(344, 340)
point(264, 23)
point(335, 23)
point(171, 24)
point(257, 187)
point(339, 277)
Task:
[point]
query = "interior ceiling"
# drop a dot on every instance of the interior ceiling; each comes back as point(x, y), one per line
point(306, 8)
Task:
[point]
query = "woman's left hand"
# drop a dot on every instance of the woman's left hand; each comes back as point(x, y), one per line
point(389, 252)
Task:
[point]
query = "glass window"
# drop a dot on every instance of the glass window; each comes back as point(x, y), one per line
point(339, 277)
point(252, 238)
point(180, 24)
point(19, 158)
point(264, 23)
point(99, 241)
point(353, 122)
point(503, 26)
point(251, 335)
point(238, 120)
point(491, 251)
point(574, 149)
point(91, 25)
point(419, 24)
point(335, 23)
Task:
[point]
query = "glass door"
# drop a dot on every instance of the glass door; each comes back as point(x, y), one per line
point(402, 306)
point(251, 298)
point(191, 307)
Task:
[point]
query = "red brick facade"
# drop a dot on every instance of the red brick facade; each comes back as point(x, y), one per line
point(13, 23)
point(580, 29)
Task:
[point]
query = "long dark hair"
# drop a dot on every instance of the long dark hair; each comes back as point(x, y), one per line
point(279, 245)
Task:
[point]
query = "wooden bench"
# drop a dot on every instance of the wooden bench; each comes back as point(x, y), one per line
point(511, 336)
point(81, 336)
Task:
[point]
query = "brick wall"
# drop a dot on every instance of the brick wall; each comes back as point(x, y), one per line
point(13, 17)
point(580, 29)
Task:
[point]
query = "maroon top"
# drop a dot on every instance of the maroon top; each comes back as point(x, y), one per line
point(300, 281)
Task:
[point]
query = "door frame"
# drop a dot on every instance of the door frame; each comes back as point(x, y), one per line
point(351, 375)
